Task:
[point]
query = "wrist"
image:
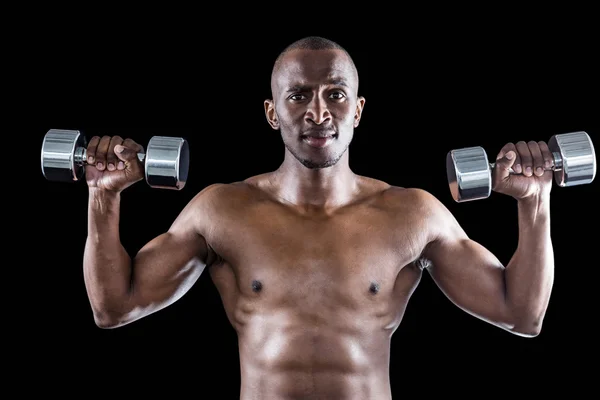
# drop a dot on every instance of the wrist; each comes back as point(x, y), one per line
point(102, 199)
point(537, 205)
point(100, 192)
point(535, 199)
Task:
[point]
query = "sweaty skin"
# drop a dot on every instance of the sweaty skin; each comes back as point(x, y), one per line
point(315, 265)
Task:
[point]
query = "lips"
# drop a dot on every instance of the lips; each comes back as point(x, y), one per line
point(319, 139)
point(319, 134)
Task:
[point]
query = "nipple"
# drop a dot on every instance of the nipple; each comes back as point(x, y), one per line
point(256, 286)
point(374, 289)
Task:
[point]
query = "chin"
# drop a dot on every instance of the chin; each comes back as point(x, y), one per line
point(311, 164)
point(316, 163)
point(325, 158)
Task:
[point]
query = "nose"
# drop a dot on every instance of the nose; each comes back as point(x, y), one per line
point(317, 111)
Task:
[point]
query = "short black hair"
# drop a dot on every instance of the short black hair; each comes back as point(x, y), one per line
point(311, 43)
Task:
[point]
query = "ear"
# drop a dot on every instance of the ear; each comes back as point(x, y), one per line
point(271, 114)
point(360, 104)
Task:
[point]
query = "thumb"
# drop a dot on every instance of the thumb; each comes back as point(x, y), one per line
point(503, 164)
point(505, 161)
point(124, 153)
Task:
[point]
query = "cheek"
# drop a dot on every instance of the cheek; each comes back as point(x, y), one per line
point(347, 114)
point(288, 115)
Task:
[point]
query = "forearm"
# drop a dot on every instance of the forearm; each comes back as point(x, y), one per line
point(107, 265)
point(529, 275)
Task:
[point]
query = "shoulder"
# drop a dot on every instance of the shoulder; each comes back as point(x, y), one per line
point(216, 204)
point(420, 204)
point(224, 195)
point(385, 195)
point(232, 196)
point(419, 200)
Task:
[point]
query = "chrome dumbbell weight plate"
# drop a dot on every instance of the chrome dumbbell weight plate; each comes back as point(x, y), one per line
point(166, 161)
point(63, 155)
point(470, 173)
point(575, 158)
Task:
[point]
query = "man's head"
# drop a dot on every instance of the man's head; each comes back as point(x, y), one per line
point(315, 103)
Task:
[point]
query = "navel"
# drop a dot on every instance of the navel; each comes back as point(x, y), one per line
point(374, 288)
point(256, 286)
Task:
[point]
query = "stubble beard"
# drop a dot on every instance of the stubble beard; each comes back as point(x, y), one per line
point(311, 164)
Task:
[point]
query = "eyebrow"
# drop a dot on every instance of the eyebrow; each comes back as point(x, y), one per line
point(302, 88)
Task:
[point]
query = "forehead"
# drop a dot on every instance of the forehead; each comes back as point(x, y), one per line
point(313, 67)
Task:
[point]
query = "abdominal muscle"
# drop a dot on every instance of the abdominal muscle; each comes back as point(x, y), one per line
point(285, 355)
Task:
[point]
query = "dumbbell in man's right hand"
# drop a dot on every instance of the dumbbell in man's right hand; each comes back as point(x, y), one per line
point(112, 163)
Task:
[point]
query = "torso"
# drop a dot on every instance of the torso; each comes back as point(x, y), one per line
point(315, 297)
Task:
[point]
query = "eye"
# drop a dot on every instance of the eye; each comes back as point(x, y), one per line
point(337, 95)
point(297, 97)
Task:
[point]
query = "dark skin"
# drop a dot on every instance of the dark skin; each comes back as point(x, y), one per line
point(315, 264)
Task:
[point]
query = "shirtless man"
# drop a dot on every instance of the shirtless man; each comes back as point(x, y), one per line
point(315, 265)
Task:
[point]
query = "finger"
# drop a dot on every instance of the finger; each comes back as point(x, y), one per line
point(526, 158)
point(91, 149)
point(537, 159)
point(127, 152)
point(516, 163)
point(504, 162)
point(507, 157)
point(546, 154)
point(132, 144)
point(101, 151)
point(111, 158)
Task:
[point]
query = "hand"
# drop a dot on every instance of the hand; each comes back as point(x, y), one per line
point(113, 163)
point(531, 163)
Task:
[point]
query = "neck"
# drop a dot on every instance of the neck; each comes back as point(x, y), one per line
point(324, 188)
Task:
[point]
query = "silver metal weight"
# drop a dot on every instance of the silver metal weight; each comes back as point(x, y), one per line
point(166, 160)
point(470, 174)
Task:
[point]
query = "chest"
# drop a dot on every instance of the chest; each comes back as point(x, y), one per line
point(353, 255)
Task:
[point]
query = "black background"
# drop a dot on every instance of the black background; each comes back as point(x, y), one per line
point(429, 88)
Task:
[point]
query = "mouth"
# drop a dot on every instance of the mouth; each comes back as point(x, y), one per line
point(319, 139)
point(319, 133)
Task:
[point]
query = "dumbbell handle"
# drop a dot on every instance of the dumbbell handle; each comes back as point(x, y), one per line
point(557, 164)
point(80, 156)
